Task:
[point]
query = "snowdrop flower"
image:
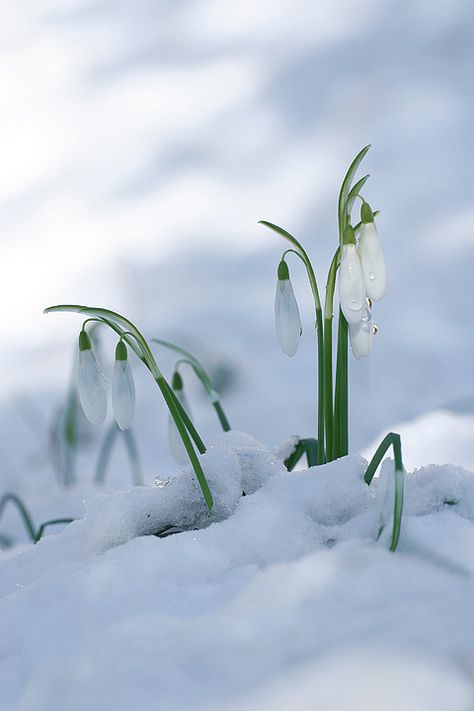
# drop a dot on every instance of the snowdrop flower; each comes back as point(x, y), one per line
point(91, 382)
point(352, 294)
point(287, 316)
point(361, 335)
point(175, 442)
point(123, 388)
point(385, 494)
point(371, 256)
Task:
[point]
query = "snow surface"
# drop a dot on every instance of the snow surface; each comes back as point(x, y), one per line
point(282, 599)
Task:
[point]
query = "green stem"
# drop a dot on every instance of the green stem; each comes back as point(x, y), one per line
point(175, 413)
point(52, 522)
point(318, 325)
point(221, 416)
point(328, 319)
point(191, 360)
point(22, 510)
point(344, 379)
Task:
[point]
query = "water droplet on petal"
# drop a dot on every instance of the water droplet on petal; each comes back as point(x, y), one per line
point(374, 329)
point(371, 276)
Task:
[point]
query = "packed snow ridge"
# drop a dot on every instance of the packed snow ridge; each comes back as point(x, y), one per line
point(274, 600)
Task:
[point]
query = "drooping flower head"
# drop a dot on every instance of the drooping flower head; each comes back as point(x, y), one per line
point(361, 335)
point(287, 315)
point(371, 256)
point(352, 294)
point(123, 388)
point(91, 382)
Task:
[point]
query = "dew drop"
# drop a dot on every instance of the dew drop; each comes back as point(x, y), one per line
point(374, 329)
point(369, 303)
point(353, 300)
point(161, 483)
point(371, 276)
point(365, 315)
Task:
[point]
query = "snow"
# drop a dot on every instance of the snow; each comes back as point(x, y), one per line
point(142, 142)
point(281, 594)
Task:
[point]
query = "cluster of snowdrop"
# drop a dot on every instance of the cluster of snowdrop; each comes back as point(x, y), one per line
point(92, 384)
point(362, 280)
point(92, 391)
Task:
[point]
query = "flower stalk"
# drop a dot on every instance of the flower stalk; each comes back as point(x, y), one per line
point(362, 273)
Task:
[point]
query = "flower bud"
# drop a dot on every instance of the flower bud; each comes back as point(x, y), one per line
point(175, 442)
point(371, 256)
point(123, 388)
point(351, 284)
point(287, 315)
point(91, 382)
point(361, 335)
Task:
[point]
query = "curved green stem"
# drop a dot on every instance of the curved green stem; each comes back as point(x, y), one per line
point(22, 510)
point(318, 325)
point(393, 440)
point(172, 403)
point(191, 360)
point(52, 522)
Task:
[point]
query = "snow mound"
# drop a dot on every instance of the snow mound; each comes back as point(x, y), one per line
point(236, 463)
point(281, 597)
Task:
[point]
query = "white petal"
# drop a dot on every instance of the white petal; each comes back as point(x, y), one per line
point(372, 261)
point(123, 394)
point(287, 318)
point(361, 335)
point(351, 285)
point(385, 494)
point(175, 442)
point(92, 387)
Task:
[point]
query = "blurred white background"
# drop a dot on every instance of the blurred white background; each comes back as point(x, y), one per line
point(141, 142)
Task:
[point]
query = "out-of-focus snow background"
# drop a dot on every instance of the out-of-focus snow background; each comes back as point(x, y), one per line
point(141, 142)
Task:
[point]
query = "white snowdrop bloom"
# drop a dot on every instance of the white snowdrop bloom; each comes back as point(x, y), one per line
point(361, 335)
point(91, 382)
point(385, 494)
point(175, 442)
point(351, 284)
point(389, 486)
point(287, 315)
point(371, 256)
point(123, 388)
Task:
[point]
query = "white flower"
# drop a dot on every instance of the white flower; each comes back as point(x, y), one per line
point(351, 285)
point(123, 388)
point(91, 382)
point(287, 315)
point(385, 494)
point(372, 261)
point(175, 442)
point(361, 335)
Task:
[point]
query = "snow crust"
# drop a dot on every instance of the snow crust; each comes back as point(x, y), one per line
point(281, 599)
